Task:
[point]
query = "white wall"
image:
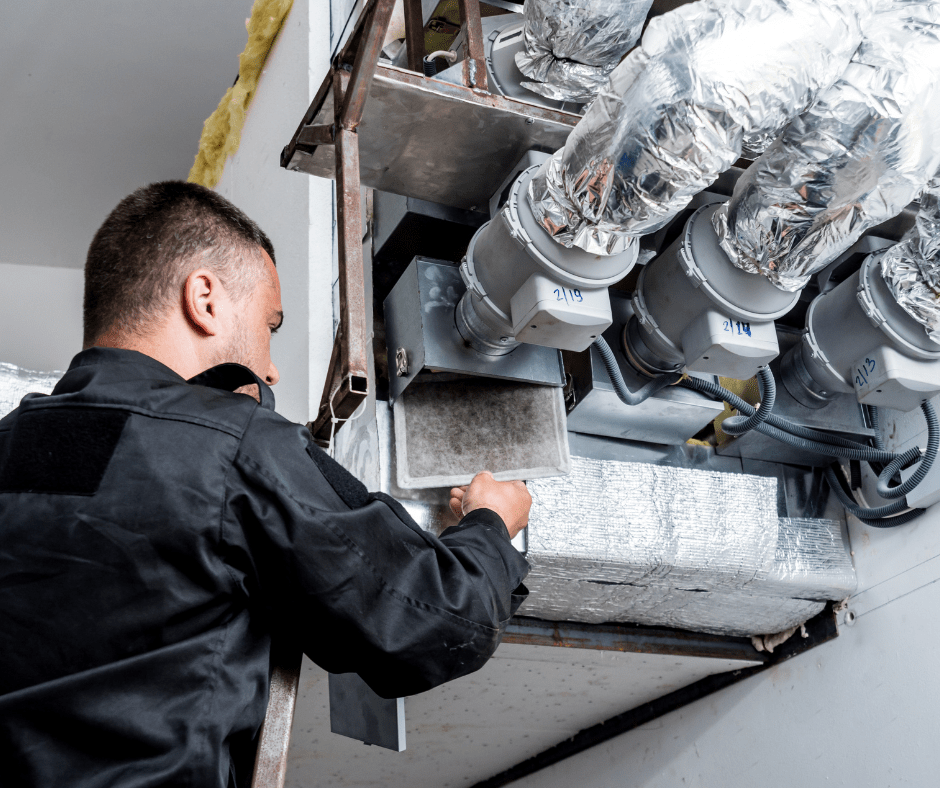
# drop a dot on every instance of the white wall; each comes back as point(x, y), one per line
point(858, 711)
point(40, 316)
point(294, 209)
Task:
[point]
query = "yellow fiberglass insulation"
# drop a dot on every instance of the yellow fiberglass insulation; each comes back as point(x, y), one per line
point(222, 131)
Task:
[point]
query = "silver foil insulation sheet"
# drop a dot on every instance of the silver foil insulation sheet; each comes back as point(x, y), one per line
point(571, 46)
point(16, 383)
point(711, 79)
point(693, 549)
point(851, 161)
point(912, 267)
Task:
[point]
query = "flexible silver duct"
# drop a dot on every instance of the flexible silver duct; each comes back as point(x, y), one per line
point(571, 46)
point(16, 383)
point(912, 267)
point(708, 78)
point(853, 160)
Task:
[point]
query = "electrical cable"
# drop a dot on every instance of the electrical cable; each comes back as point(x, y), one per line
point(739, 425)
point(880, 516)
point(763, 420)
point(787, 432)
point(621, 389)
point(926, 462)
point(875, 517)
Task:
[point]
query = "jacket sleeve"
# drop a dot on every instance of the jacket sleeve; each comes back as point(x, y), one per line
point(353, 579)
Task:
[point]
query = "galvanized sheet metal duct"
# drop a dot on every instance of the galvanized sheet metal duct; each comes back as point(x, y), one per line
point(693, 549)
point(853, 160)
point(571, 46)
point(16, 383)
point(912, 267)
point(710, 78)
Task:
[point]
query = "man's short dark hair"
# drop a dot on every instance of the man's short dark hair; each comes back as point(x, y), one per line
point(150, 243)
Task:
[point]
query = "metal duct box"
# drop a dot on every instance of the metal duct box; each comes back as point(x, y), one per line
point(670, 416)
point(422, 335)
point(405, 227)
point(659, 545)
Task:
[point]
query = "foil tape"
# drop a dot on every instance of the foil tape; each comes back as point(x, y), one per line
point(709, 79)
point(853, 160)
point(571, 46)
point(16, 383)
point(687, 548)
point(911, 268)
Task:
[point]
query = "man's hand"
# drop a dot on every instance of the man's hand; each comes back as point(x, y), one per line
point(510, 500)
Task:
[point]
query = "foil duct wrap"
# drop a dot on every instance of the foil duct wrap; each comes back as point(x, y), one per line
point(571, 46)
point(853, 160)
point(692, 549)
point(912, 268)
point(16, 383)
point(709, 78)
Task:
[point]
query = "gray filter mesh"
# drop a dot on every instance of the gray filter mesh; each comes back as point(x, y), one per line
point(687, 548)
point(446, 433)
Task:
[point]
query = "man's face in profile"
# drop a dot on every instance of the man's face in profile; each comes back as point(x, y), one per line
point(257, 317)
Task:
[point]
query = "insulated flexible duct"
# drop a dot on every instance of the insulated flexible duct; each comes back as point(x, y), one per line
point(851, 161)
point(911, 268)
point(571, 46)
point(710, 78)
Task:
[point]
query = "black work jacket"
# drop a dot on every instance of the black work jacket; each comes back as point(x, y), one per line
point(155, 535)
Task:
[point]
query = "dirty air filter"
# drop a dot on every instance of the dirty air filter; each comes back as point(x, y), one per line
point(446, 432)
point(693, 549)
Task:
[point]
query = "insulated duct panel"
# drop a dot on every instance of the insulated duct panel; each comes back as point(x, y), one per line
point(693, 549)
point(709, 78)
point(16, 383)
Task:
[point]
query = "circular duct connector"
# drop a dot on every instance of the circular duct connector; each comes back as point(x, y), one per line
point(855, 318)
point(693, 276)
point(505, 77)
point(505, 253)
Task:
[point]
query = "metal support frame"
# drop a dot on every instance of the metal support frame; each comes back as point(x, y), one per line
point(819, 630)
point(414, 35)
point(347, 380)
point(271, 760)
point(474, 68)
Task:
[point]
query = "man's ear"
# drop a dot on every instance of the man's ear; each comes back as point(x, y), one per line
point(202, 299)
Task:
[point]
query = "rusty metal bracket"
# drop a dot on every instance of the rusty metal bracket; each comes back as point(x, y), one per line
point(414, 35)
point(271, 760)
point(475, 64)
point(367, 58)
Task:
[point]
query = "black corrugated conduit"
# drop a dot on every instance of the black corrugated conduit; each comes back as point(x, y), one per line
point(620, 386)
point(885, 463)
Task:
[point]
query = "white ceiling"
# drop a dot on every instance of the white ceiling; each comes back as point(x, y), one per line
point(99, 98)
point(526, 699)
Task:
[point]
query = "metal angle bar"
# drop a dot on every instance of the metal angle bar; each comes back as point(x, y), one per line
point(271, 760)
point(347, 380)
point(475, 64)
point(367, 58)
point(627, 638)
point(820, 629)
point(311, 136)
point(352, 290)
point(414, 35)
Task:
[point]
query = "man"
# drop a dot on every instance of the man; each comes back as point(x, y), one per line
point(157, 530)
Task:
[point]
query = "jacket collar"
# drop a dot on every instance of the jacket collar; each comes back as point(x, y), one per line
point(226, 377)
